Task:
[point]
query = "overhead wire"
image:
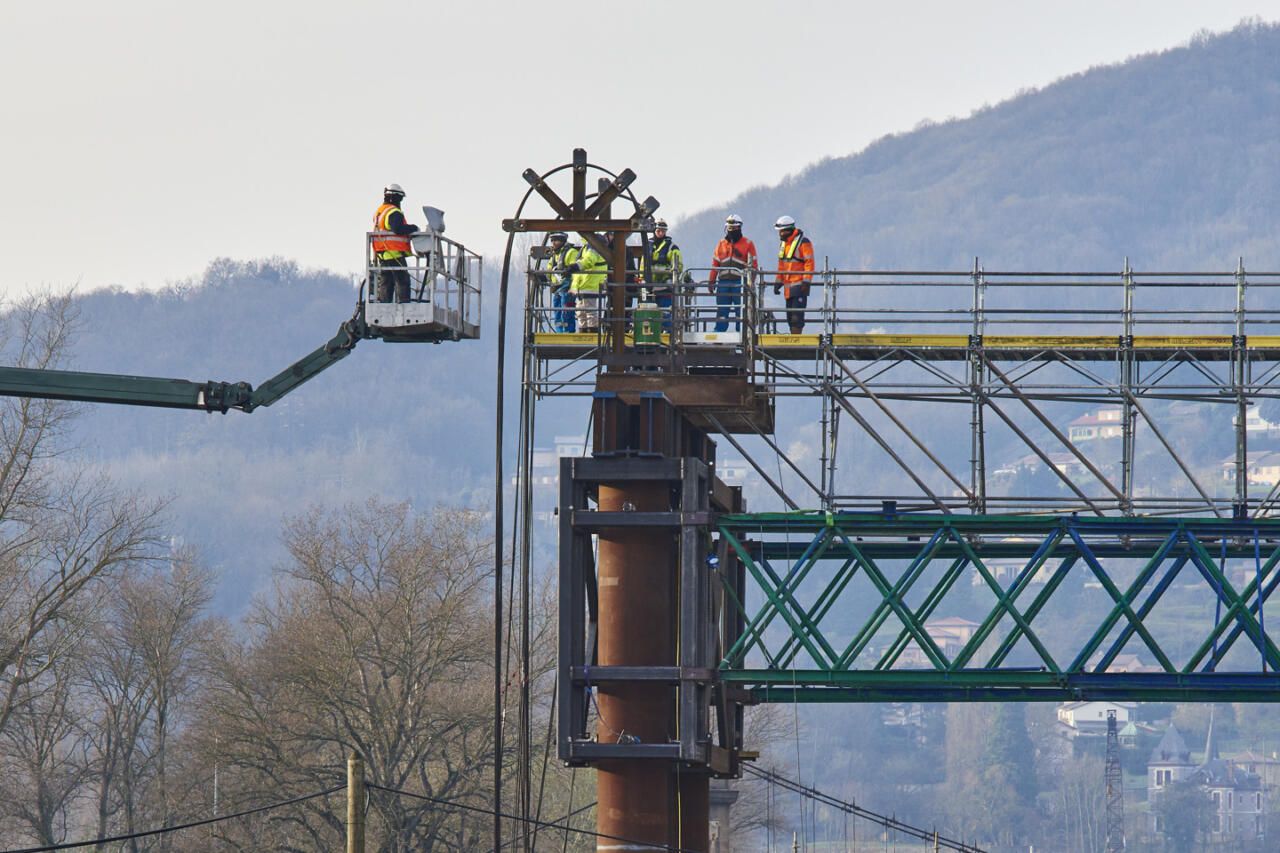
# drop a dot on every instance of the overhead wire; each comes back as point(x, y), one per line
point(640, 845)
point(558, 823)
point(176, 827)
point(890, 823)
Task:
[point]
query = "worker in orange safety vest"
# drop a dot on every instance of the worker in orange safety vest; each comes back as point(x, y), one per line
point(733, 261)
point(391, 246)
point(795, 270)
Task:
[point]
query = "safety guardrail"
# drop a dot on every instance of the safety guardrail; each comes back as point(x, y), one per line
point(971, 302)
point(441, 272)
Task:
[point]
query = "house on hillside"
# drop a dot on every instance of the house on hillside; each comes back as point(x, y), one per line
point(1126, 662)
point(949, 634)
point(1066, 464)
point(1262, 468)
point(1266, 766)
point(1256, 426)
point(1235, 791)
point(1106, 422)
point(1237, 799)
point(1170, 761)
point(1082, 718)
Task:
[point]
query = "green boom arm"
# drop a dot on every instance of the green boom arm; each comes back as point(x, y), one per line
point(209, 396)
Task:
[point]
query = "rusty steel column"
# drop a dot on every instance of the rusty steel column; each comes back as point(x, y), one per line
point(694, 791)
point(637, 628)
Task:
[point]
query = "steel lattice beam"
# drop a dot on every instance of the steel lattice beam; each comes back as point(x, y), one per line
point(838, 607)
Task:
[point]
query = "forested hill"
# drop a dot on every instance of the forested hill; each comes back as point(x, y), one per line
point(395, 421)
point(1171, 159)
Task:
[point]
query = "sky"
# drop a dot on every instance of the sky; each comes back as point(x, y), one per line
point(141, 140)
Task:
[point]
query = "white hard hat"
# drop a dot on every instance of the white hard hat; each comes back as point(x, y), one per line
point(661, 223)
point(393, 188)
point(733, 220)
point(784, 222)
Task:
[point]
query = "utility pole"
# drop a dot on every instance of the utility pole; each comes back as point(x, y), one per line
point(355, 803)
point(1115, 788)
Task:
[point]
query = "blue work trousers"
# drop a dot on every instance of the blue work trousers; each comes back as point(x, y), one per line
point(564, 303)
point(729, 304)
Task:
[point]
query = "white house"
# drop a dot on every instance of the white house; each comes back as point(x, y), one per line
point(1106, 422)
point(1257, 426)
point(1262, 468)
point(1091, 717)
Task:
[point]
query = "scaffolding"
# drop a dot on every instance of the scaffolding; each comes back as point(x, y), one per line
point(897, 354)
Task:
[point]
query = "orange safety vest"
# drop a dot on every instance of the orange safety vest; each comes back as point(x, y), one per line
point(795, 261)
point(733, 260)
point(393, 245)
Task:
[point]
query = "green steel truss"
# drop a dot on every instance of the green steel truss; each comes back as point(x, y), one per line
point(872, 607)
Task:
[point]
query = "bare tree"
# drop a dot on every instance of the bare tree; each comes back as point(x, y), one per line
point(142, 667)
point(377, 641)
point(66, 537)
point(63, 533)
point(44, 757)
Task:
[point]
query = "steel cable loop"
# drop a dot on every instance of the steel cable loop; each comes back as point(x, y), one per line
point(498, 520)
point(851, 808)
point(176, 827)
point(641, 845)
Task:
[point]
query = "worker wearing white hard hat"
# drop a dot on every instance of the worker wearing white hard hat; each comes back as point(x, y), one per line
point(666, 269)
point(391, 246)
point(795, 270)
point(733, 263)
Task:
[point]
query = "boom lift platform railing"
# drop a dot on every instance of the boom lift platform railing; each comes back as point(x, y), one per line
point(444, 306)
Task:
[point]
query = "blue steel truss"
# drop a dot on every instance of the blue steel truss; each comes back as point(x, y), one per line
point(861, 607)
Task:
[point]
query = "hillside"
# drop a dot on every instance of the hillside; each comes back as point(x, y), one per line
point(1169, 159)
point(404, 422)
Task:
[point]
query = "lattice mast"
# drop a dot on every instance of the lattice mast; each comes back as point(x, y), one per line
point(1115, 788)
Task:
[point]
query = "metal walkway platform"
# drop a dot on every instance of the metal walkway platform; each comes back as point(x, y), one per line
point(865, 347)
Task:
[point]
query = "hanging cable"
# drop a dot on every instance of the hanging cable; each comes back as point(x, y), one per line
point(889, 823)
point(640, 845)
point(176, 827)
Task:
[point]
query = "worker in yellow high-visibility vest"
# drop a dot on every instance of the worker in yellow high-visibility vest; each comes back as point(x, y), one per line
point(795, 270)
point(588, 280)
point(391, 246)
point(563, 253)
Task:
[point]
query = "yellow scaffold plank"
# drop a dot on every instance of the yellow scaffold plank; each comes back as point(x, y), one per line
point(584, 339)
point(887, 340)
point(1264, 341)
point(577, 339)
point(1182, 342)
point(810, 341)
point(1051, 341)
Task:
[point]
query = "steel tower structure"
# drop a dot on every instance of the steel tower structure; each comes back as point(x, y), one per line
point(1115, 788)
point(954, 473)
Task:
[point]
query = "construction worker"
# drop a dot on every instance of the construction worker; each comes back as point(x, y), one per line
point(563, 253)
point(734, 260)
point(795, 270)
point(666, 269)
point(589, 272)
point(391, 247)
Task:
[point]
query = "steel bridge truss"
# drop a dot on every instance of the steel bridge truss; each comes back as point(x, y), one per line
point(834, 607)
